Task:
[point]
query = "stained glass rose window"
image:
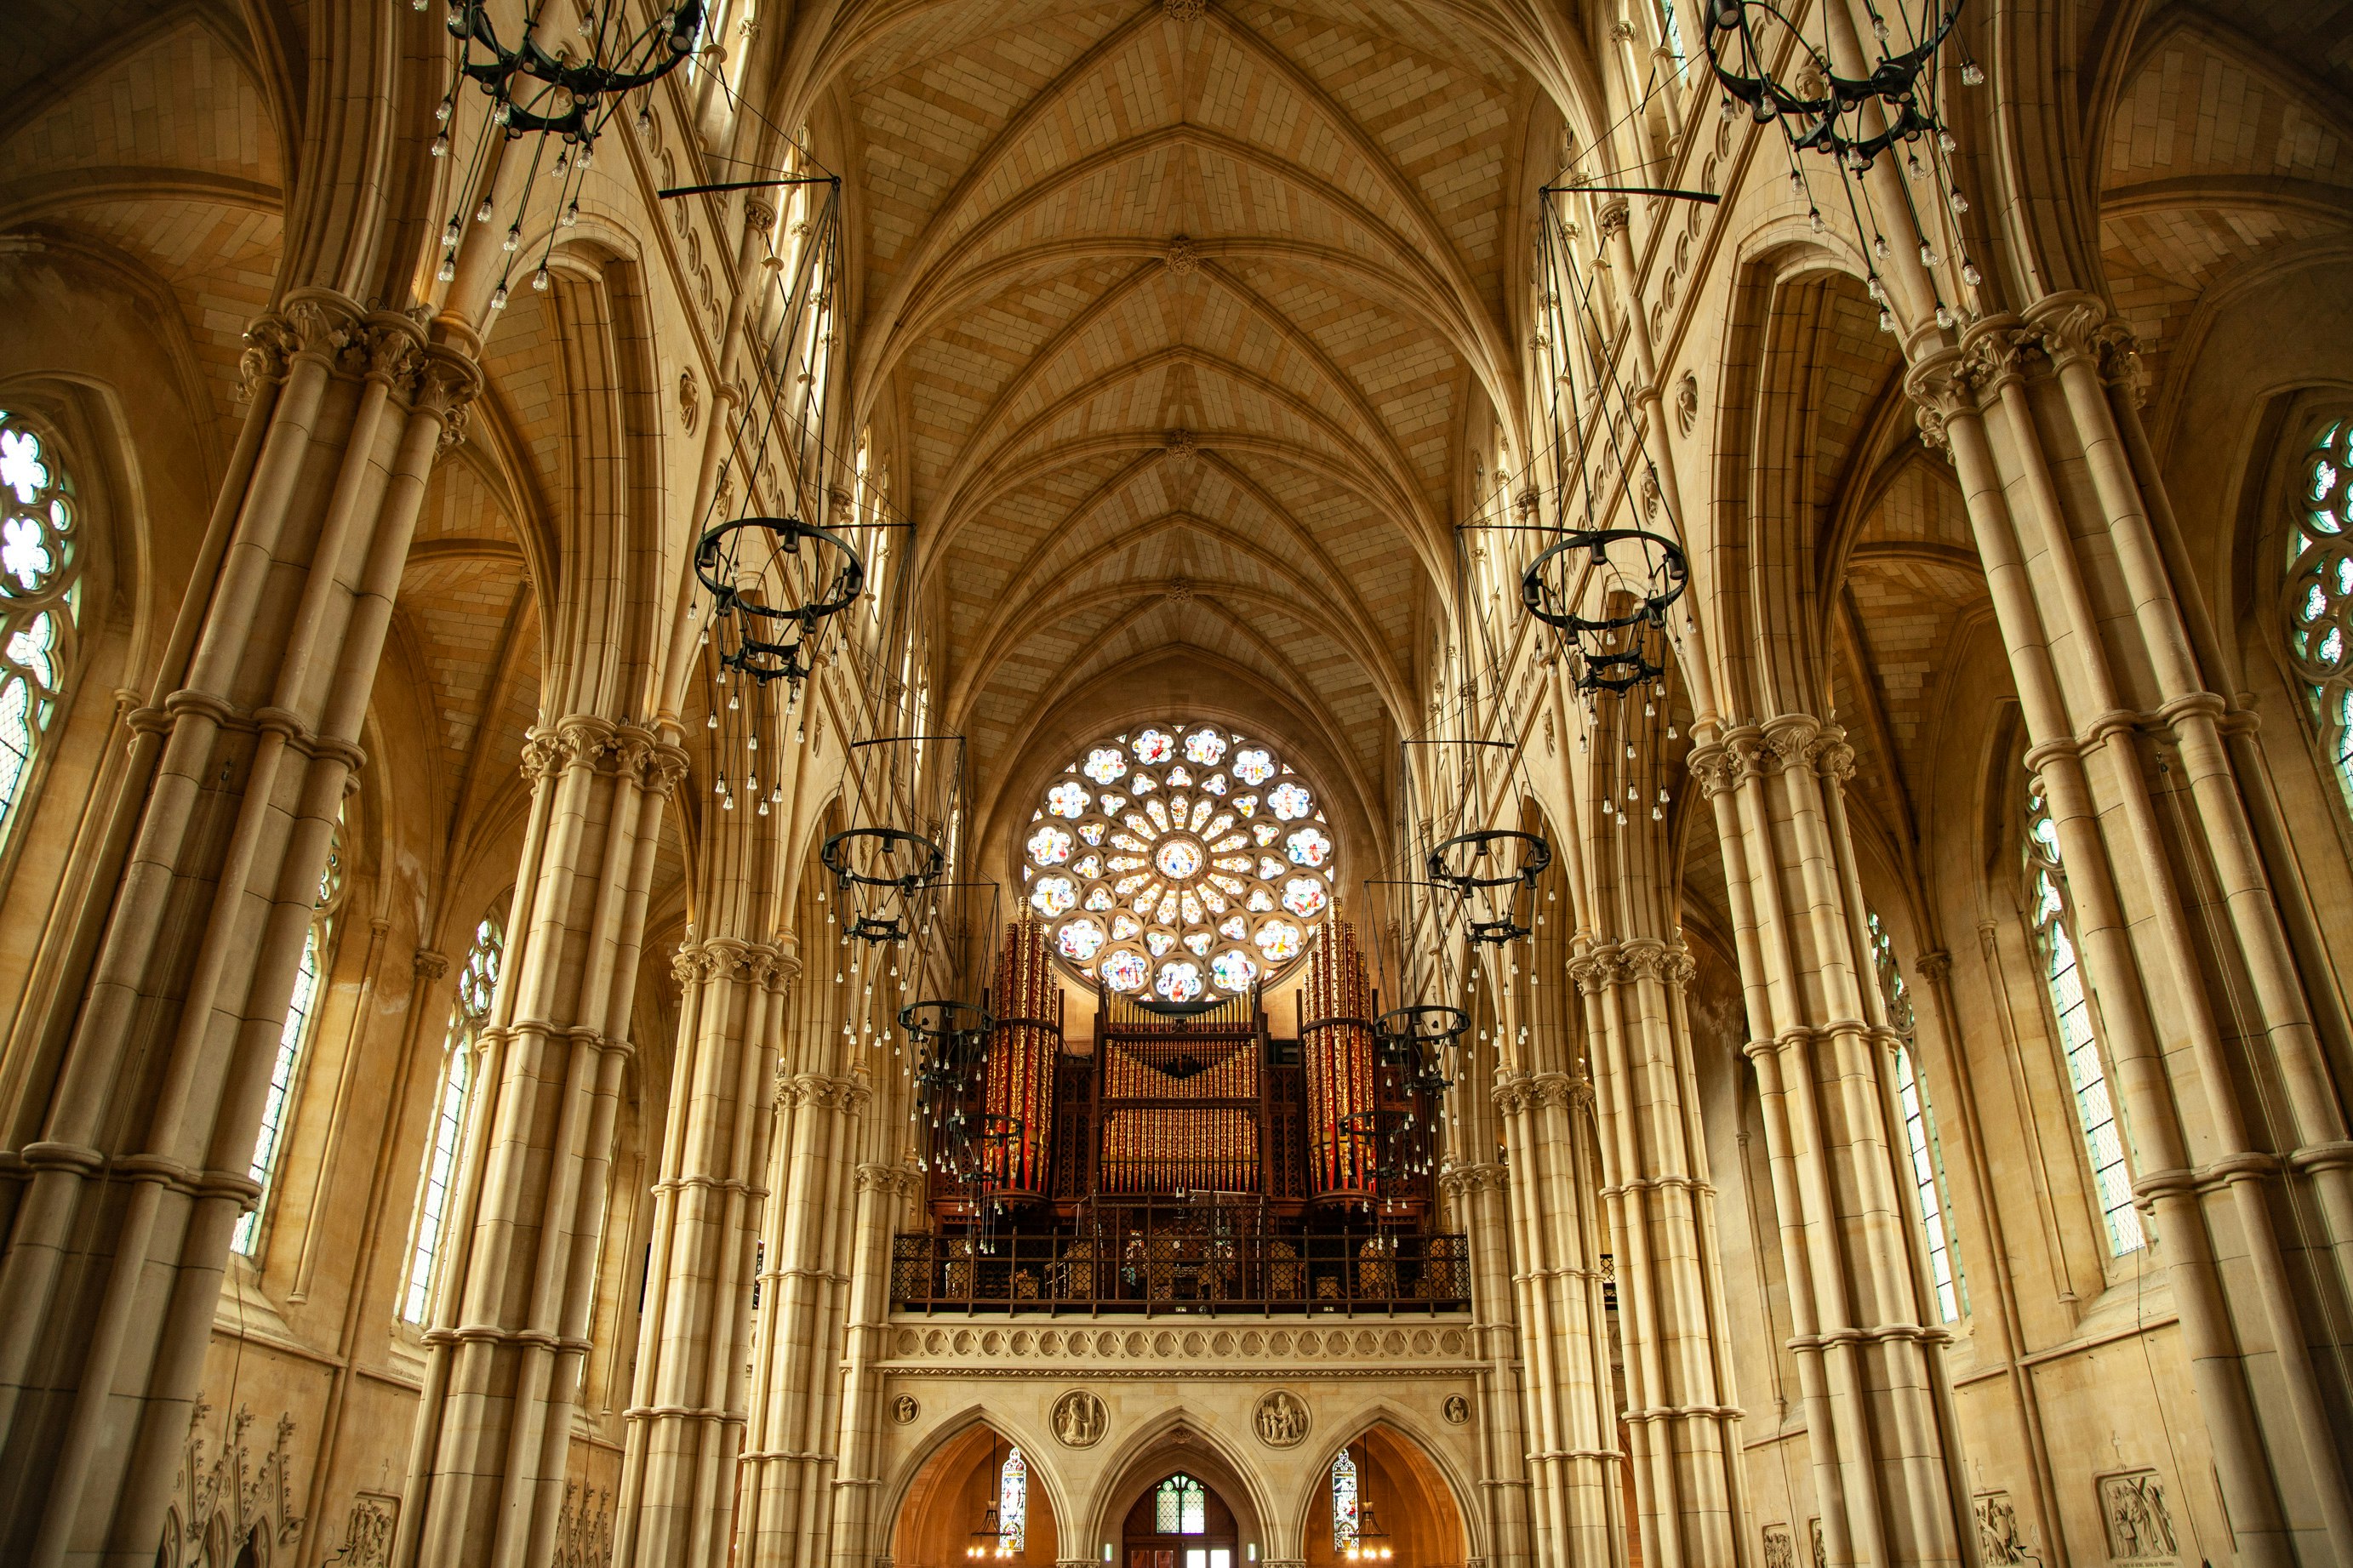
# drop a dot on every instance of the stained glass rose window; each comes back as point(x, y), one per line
point(1205, 871)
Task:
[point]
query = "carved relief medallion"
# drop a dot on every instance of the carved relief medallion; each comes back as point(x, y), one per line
point(1281, 1418)
point(1458, 1409)
point(1079, 1419)
point(904, 1409)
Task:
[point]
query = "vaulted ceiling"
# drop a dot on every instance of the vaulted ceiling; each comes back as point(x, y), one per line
point(1185, 318)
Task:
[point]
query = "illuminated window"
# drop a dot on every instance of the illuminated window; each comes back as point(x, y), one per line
point(2318, 602)
point(270, 1142)
point(1013, 1502)
point(476, 986)
point(2104, 1139)
point(1181, 861)
point(1919, 1131)
point(41, 600)
point(1180, 1507)
point(1344, 1502)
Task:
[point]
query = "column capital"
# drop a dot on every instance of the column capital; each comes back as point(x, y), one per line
point(1486, 1176)
point(1614, 216)
point(429, 966)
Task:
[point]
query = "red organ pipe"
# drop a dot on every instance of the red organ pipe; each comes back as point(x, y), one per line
point(1023, 1051)
point(1337, 1057)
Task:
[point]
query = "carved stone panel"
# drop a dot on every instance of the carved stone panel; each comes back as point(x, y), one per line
point(2138, 1523)
point(1281, 1419)
point(1999, 1540)
point(368, 1529)
point(1780, 1551)
point(1079, 1419)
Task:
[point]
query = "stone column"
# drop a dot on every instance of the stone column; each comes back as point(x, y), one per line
point(791, 1454)
point(508, 1342)
point(1478, 1195)
point(883, 1192)
point(1682, 1427)
point(1563, 1336)
point(1872, 1372)
point(2234, 1124)
point(685, 1423)
point(119, 1215)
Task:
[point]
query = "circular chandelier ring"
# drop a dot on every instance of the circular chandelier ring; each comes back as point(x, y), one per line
point(1674, 567)
point(1533, 861)
point(786, 532)
point(836, 858)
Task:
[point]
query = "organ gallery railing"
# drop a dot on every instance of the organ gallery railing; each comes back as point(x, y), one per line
point(1181, 1258)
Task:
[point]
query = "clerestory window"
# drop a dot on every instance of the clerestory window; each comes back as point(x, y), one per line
point(1925, 1154)
point(40, 601)
point(293, 1036)
point(476, 986)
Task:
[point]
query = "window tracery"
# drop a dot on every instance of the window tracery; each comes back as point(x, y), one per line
point(40, 599)
point(1180, 861)
point(2052, 920)
point(476, 984)
point(1180, 1507)
point(2318, 602)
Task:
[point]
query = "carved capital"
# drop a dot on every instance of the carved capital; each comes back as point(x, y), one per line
point(1712, 768)
point(1934, 966)
point(270, 345)
point(1459, 1180)
point(444, 384)
point(1943, 386)
point(1615, 214)
point(429, 965)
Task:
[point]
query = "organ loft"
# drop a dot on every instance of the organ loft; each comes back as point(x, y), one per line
point(1175, 783)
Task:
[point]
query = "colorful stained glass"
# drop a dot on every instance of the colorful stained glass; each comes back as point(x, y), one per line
point(1013, 1504)
point(1179, 1507)
point(41, 600)
point(1080, 940)
point(1054, 896)
point(1178, 981)
point(1125, 970)
point(1233, 969)
point(1184, 856)
point(1344, 1520)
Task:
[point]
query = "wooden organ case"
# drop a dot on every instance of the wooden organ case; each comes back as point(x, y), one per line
point(1186, 1156)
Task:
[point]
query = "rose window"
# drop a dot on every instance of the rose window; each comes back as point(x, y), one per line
point(1179, 862)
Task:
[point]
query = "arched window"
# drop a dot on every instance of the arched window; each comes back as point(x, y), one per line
point(2318, 604)
point(1344, 1502)
point(2104, 1139)
point(292, 1035)
point(1180, 1507)
point(41, 600)
point(476, 984)
point(1013, 1502)
point(1919, 1131)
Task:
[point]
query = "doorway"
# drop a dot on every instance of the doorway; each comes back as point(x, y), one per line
point(1180, 1522)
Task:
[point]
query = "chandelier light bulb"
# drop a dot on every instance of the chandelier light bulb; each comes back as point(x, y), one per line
point(1879, 29)
point(587, 154)
point(442, 111)
point(1970, 275)
point(1960, 202)
point(1945, 316)
point(572, 215)
point(1731, 109)
point(1928, 256)
point(1972, 75)
point(499, 298)
point(563, 163)
point(539, 281)
point(514, 240)
point(712, 722)
point(504, 113)
point(451, 232)
point(1798, 182)
point(449, 267)
point(1945, 142)
point(1814, 220)
point(441, 145)
point(482, 213)
point(1879, 246)
point(1887, 321)
point(1913, 166)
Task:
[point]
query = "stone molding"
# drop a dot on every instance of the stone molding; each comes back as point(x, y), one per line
point(1457, 1181)
point(1527, 1092)
point(604, 748)
point(847, 1095)
point(930, 1346)
point(722, 957)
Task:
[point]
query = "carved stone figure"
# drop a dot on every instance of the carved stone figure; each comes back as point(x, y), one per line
point(2139, 1525)
point(1079, 1419)
point(904, 1409)
point(1997, 1538)
point(1281, 1418)
point(1458, 1409)
point(1780, 1551)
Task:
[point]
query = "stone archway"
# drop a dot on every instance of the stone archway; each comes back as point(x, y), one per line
point(949, 1498)
point(1180, 1522)
point(1409, 1501)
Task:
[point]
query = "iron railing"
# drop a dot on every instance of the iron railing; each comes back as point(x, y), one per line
point(1180, 1269)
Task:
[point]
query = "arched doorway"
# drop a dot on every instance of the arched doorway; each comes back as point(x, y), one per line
point(976, 1502)
point(1180, 1522)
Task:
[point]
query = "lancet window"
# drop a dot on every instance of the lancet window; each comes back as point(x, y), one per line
point(41, 600)
point(293, 1034)
point(1344, 1502)
point(1179, 860)
point(1013, 1503)
point(1920, 1143)
point(476, 984)
point(2053, 922)
point(2318, 605)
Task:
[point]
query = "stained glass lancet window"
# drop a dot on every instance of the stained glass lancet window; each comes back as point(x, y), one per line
point(2104, 1139)
point(1179, 860)
point(476, 984)
point(2318, 604)
point(1180, 1507)
point(1013, 1503)
point(268, 1143)
point(1344, 1502)
point(40, 599)
point(1919, 1130)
